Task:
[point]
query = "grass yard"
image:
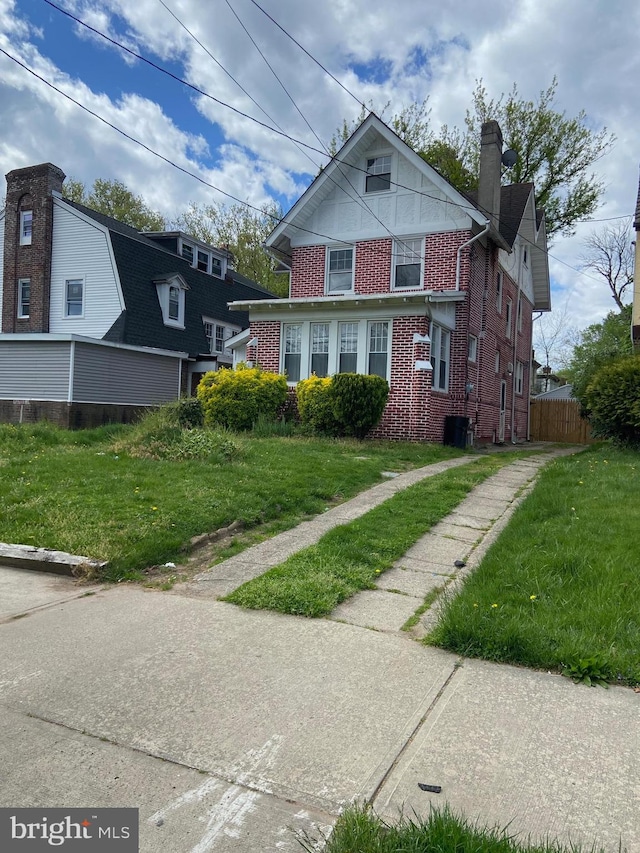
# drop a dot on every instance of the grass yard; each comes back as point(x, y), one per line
point(359, 830)
point(560, 589)
point(80, 492)
point(352, 556)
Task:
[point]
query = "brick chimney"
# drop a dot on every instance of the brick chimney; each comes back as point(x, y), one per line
point(28, 231)
point(490, 172)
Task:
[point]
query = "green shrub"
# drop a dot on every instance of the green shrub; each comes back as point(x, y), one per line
point(612, 401)
point(358, 402)
point(190, 412)
point(315, 405)
point(236, 398)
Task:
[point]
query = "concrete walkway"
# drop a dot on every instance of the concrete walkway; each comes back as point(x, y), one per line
point(234, 730)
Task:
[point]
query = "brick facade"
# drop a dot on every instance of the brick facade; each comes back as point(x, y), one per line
point(415, 410)
point(29, 189)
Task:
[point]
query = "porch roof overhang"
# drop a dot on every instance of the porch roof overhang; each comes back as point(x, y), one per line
point(388, 300)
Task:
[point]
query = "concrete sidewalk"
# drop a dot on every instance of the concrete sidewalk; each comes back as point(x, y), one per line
point(234, 730)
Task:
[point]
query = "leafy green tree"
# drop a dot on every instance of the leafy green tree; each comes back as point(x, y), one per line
point(555, 152)
point(243, 231)
point(114, 199)
point(599, 345)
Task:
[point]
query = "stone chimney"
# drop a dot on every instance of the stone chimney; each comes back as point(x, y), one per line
point(490, 172)
point(28, 231)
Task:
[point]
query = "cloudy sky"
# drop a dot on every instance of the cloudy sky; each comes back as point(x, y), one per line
point(399, 52)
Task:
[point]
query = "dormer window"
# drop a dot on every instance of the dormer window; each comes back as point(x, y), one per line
point(171, 296)
point(26, 227)
point(378, 176)
point(202, 258)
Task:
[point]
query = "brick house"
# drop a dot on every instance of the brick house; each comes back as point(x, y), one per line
point(98, 319)
point(395, 272)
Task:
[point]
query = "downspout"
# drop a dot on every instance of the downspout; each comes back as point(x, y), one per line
point(464, 246)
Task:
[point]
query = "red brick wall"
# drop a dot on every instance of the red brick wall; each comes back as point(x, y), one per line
point(267, 351)
point(307, 272)
point(29, 189)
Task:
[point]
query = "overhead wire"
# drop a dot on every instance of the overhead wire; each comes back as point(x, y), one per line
point(465, 207)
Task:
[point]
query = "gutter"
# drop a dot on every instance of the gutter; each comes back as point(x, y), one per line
point(487, 226)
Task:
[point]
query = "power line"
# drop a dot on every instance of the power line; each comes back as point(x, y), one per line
point(304, 50)
point(278, 129)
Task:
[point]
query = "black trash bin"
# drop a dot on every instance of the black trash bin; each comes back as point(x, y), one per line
point(456, 428)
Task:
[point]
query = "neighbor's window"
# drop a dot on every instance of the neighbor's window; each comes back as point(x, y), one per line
point(339, 270)
point(348, 348)
point(440, 346)
point(216, 267)
point(203, 261)
point(187, 252)
point(378, 174)
point(26, 227)
point(407, 263)
point(499, 292)
point(74, 290)
point(519, 377)
point(378, 349)
point(174, 302)
point(473, 348)
point(292, 351)
point(497, 364)
point(320, 349)
point(24, 297)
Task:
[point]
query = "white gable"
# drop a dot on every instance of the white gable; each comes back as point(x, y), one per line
point(337, 208)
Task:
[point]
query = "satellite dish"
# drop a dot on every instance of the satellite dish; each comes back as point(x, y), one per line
point(509, 158)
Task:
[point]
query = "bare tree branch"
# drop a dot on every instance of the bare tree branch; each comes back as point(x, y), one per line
point(609, 253)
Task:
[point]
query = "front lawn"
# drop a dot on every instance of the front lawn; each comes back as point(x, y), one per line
point(74, 492)
point(560, 589)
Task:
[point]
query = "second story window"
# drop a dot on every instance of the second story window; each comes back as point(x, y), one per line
point(187, 253)
point(508, 319)
point(26, 227)
point(407, 263)
point(171, 296)
point(24, 297)
point(378, 176)
point(203, 261)
point(74, 292)
point(339, 270)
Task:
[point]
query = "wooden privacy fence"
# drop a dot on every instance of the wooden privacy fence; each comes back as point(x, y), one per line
point(559, 420)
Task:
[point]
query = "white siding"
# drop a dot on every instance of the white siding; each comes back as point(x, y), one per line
point(82, 250)
point(37, 370)
point(104, 374)
point(1, 264)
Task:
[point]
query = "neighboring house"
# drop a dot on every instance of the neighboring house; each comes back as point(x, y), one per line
point(99, 319)
point(561, 392)
point(395, 272)
point(546, 380)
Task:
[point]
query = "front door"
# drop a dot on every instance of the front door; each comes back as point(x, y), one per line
point(503, 410)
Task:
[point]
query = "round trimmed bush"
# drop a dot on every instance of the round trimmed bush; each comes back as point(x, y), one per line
point(236, 398)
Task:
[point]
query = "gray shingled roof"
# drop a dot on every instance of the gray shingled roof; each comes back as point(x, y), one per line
point(513, 201)
point(140, 262)
point(564, 392)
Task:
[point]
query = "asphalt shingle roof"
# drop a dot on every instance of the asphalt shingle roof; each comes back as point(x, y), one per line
point(141, 262)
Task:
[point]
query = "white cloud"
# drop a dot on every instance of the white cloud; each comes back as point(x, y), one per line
point(439, 53)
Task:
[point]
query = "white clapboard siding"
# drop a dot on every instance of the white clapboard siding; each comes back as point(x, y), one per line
point(34, 370)
point(104, 374)
point(81, 250)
